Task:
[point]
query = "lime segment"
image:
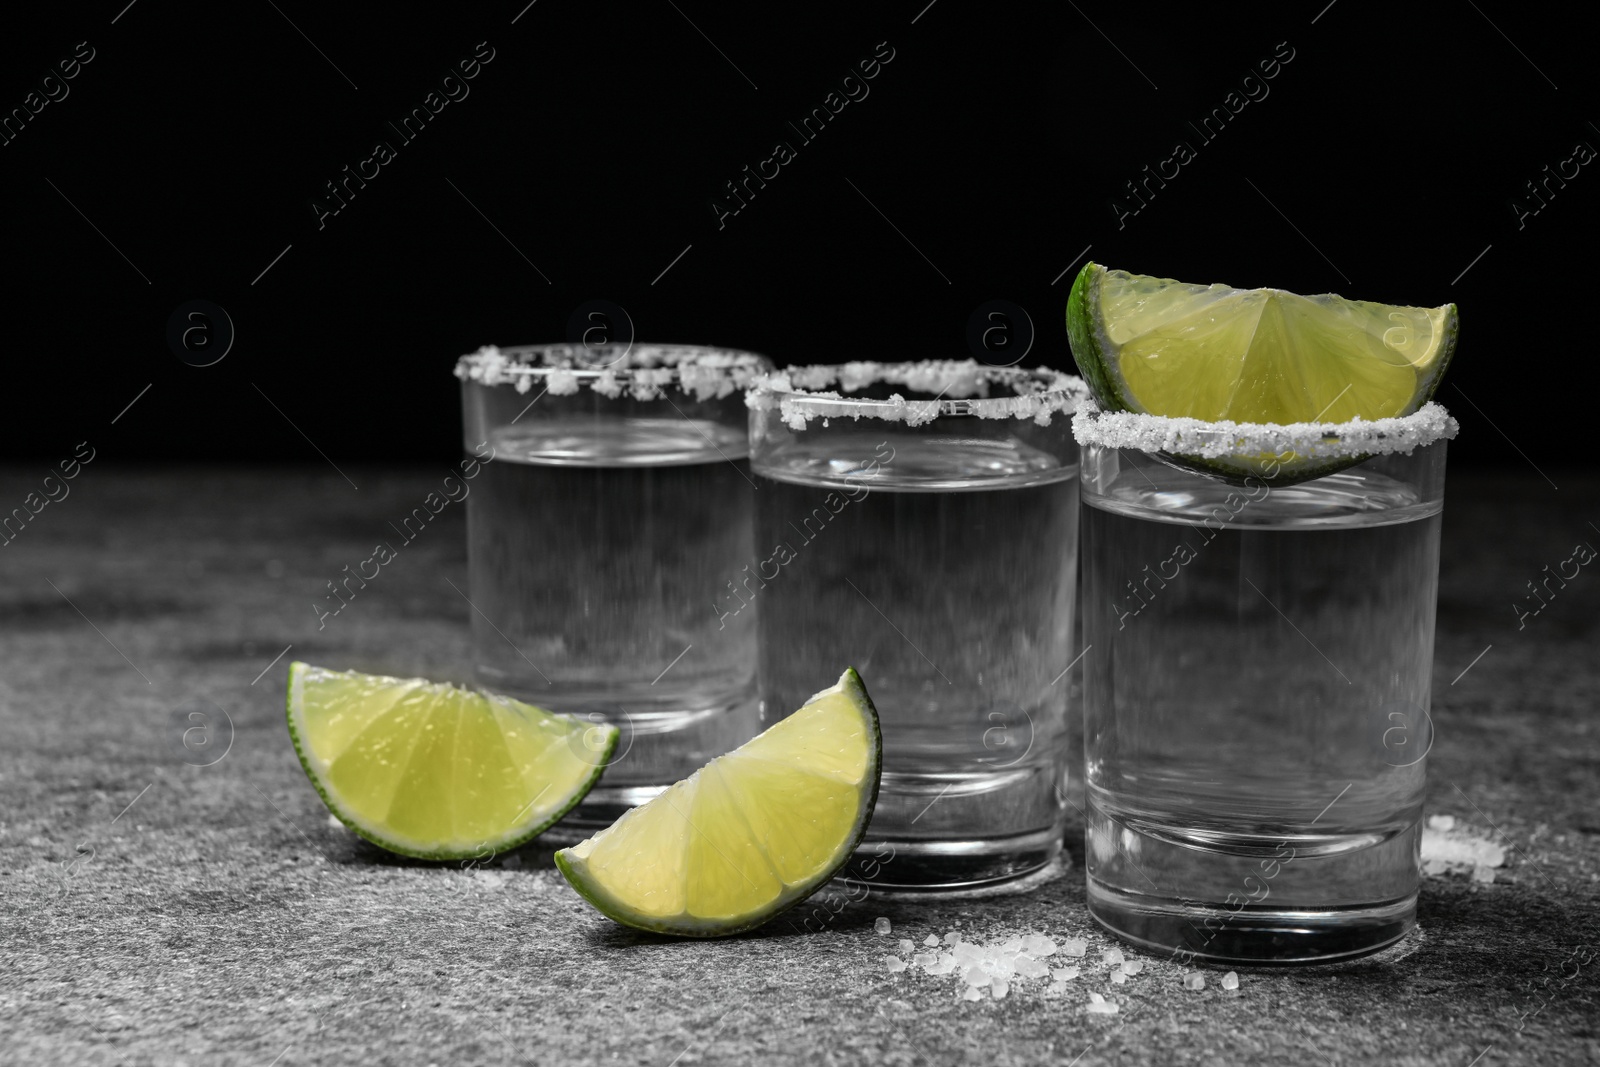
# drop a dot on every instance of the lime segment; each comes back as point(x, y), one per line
point(747, 836)
point(1217, 353)
point(434, 771)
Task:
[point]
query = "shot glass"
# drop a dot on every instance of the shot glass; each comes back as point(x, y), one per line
point(1256, 693)
point(615, 486)
point(918, 521)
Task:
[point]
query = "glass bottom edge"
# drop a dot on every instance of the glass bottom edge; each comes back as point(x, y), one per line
point(1250, 936)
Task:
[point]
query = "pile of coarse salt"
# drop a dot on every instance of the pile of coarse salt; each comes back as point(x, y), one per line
point(1446, 849)
point(1015, 962)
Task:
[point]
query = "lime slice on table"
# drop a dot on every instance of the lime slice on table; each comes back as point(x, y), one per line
point(430, 770)
point(1213, 352)
point(747, 836)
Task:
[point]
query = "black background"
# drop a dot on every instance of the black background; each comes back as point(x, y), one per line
point(1381, 164)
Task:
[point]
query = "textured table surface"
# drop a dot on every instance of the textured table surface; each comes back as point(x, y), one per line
point(157, 911)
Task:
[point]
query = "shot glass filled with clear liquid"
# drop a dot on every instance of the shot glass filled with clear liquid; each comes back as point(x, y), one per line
point(615, 486)
point(1257, 686)
point(918, 521)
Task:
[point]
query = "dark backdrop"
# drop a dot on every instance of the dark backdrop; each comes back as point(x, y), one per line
point(1384, 158)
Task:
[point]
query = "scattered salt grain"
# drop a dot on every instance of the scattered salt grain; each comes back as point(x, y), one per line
point(1112, 956)
point(1075, 947)
point(1443, 823)
point(1117, 978)
point(1096, 998)
point(971, 993)
point(881, 925)
point(1230, 980)
point(1065, 974)
point(1012, 944)
point(1194, 980)
point(923, 959)
point(975, 976)
point(1101, 1007)
point(1482, 873)
point(1038, 946)
point(895, 964)
point(1028, 967)
point(932, 941)
point(1132, 967)
point(952, 938)
point(905, 945)
point(999, 988)
point(1458, 850)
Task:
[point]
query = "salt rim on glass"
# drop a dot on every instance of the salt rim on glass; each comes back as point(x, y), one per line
point(960, 387)
point(1217, 440)
point(644, 371)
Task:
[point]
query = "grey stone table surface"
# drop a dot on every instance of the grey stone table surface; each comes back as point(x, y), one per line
point(159, 911)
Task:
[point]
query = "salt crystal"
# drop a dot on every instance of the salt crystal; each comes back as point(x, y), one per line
point(1230, 980)
point(881, 925)
point(1075, 947)
point(932, 941)
point(1194, 980)
point(895, 964)
point(905, 945)
point(952, 938)
point(1442, 822)
point(1117, 978)
point(1482, 873)
point(1038, 945)
point(943, 965)
point(972, 994)
point(1132, 967)
point(1460, 849)
point(1096, 998)
point(999, 988)
point(1005, 966)
point(1433, 867)
point(1112, 956)
point(1012, 944)
point(1065, 974)
point(922, 959)
point(975, 976)
point(1028, 967)
point(1101, 1007)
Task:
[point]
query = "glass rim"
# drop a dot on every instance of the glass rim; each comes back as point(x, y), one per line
point(801, 393)
point(645, 370)
point(1428, 425)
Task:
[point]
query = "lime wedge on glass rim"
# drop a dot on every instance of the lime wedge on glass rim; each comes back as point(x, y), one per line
point(1216, 353)
point(747, 836)
point(434, 771)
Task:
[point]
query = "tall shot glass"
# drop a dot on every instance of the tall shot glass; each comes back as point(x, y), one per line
point(615, 486)
point(918, 522)
point(1257, 687)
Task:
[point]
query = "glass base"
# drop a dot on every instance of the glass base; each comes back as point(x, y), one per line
point(1252, 935)
point(950, 866)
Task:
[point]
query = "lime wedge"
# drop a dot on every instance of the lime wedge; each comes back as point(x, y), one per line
point(1213, 352)
point(747, 836)
point(437, 772)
